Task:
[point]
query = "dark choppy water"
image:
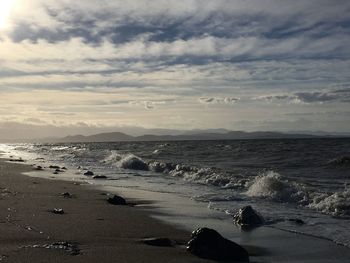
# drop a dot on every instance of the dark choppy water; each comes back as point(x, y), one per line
point(283, 179)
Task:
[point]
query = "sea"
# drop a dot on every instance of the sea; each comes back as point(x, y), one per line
point(283, 179)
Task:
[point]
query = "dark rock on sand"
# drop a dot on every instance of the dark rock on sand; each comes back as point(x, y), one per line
point(58, 211)
point(58, 171)
point(116, 200)
point(296, 221)
point(67, 195)
point(248, 217)
point(20, 160)
point(158, 241)
point(209, 244)
point(54, 167)
point(39, 168)
point(89, 173)
point(64, 168)
point(99, 177)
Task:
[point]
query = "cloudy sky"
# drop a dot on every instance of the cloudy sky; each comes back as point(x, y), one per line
point(95, 65)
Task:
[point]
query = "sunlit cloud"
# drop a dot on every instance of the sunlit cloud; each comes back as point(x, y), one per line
point(177, 64)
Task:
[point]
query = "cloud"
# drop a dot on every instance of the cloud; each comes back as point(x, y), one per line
point(150, 105)
point(311, 97)
point(218, 100)
point(128, 62)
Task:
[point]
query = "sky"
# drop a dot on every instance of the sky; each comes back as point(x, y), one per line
point(69, 67)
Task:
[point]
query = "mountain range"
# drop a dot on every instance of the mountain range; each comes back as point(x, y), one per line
point(221, 135)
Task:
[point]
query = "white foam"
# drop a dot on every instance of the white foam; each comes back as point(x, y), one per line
point(337, 204)
point(273, 186)
point(126, 161)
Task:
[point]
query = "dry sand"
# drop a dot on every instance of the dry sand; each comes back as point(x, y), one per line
point(103, 232)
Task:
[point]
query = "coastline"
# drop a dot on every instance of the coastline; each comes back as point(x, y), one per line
point(108, 233)
point(102, 232)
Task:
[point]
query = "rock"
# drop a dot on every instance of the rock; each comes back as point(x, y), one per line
point(58, 211)
point(55, 172)
point(39, 168)
point(20, 160)
point(64, 168)
point(67, 195)
point(158, 241)
point(58, 171)
point(89, 173)
point(296, 221)
point(209, 244)
point(116, 200)
point(54, 167)
point(248, 217)
point(99, 177)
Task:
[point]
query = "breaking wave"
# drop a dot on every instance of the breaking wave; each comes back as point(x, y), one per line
point(127, 161)
point(336, 204)
point(274, 187)
point(209, 176)
point(269, 185)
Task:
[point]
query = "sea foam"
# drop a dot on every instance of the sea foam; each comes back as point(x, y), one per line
point(273, 186)
point(126, 161)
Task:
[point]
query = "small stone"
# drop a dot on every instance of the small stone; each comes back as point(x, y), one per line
point(20, 160)
point(297, 221)
point(54, 167)
point(66, 195)
point(58, 211)
point(99, 177)
point(116, 200)
point(88, 173)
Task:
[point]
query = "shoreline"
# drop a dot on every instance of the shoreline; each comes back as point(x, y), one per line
point(101, 232)
point(146, 219)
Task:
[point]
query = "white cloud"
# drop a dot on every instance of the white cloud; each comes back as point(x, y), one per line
point(70, 60)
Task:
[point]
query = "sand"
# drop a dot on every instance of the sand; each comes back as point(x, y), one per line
point(106, 233)
point(101, 231)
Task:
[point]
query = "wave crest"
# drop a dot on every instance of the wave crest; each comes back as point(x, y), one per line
point(127, 161)
point(273, 186)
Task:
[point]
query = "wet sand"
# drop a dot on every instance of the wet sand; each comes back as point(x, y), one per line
point(101, 231)
point(106, 233)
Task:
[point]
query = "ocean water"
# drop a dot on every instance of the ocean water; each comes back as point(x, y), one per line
point(306, 179)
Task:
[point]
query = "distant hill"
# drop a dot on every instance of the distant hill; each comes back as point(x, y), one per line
point(230, 135)
point(101, 137)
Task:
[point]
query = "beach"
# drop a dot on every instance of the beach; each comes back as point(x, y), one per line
point(93, 230)
point(101, 232)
